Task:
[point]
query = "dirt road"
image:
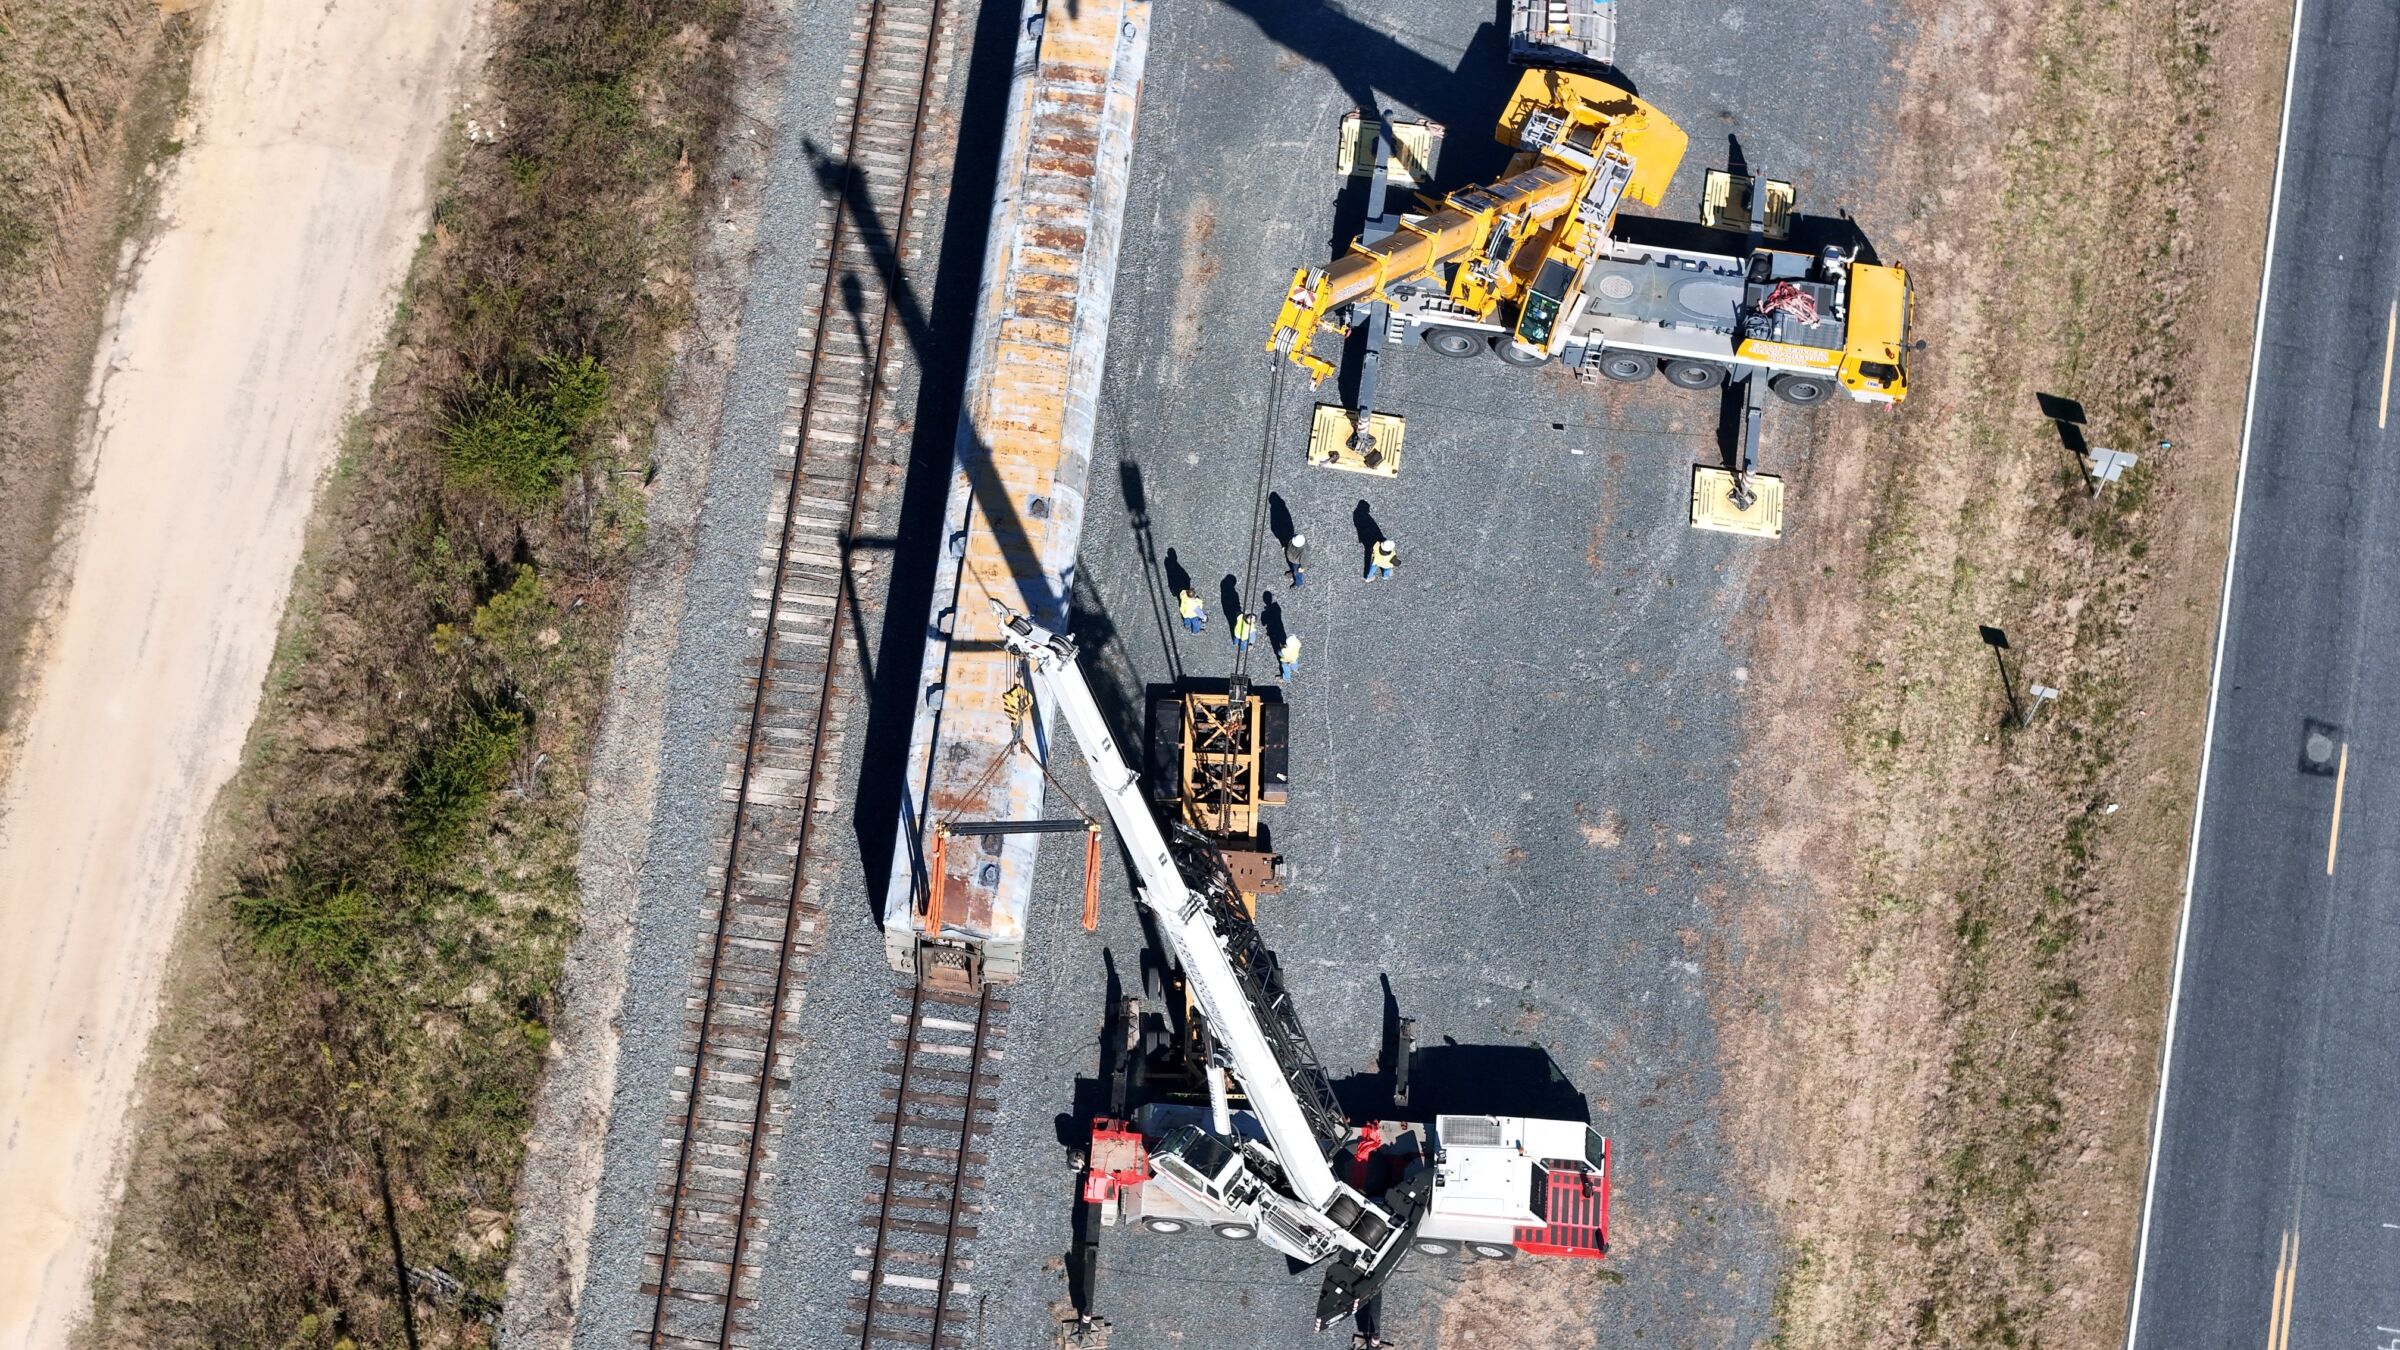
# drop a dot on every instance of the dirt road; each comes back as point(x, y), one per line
point(224, 381)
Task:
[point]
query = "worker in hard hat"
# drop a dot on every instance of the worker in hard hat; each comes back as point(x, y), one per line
point(1295, 557)
point(1289, 655)
point(1381, 559)
point(1195, 615)
point(1243, 627)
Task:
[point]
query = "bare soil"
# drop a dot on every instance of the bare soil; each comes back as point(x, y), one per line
point(1497, 1305)
point(88, 93)
point(230, 361)
point(361, 1004)
point(1942, 1026)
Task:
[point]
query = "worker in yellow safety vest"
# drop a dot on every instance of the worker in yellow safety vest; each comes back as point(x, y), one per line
point(1187, 603)
point(1243, 627)
point(1381, 559)
point(1289, 655)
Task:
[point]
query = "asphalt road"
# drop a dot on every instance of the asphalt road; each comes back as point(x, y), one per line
point(2275, 1203)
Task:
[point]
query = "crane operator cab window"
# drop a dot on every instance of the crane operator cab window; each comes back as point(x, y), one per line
point(1196, 1158)
point(1542, 304)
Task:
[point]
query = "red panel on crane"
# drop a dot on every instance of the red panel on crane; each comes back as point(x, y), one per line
point(1574, 1199)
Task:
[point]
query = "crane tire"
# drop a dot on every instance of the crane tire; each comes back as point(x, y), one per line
point(1493, 1251)
point(1457, 343)
point(1694, 374)
point(1233, 1232)
point(1628, 367)
point(1802, 390)
point(1506, 348)
point(1165, 1227)
point(1435, 1247)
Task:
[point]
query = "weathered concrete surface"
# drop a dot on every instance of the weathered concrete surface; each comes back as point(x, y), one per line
point(1015, 511)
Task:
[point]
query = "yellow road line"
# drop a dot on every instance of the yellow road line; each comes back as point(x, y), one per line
point(2341, 776)
point(2391, 332)
point(2291, 1296)
point(2279, 1310)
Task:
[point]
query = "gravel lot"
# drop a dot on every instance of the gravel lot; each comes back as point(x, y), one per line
point(1511, 762)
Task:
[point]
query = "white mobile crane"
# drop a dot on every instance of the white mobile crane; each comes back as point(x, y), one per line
point(1496, 1185)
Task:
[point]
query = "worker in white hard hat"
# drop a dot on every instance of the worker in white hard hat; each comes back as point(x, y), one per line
point(1295, 557)
point(1382, 559)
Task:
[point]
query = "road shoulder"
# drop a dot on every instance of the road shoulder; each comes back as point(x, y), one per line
point(1956, 959)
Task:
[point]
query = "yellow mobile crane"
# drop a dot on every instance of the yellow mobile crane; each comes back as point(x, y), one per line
point(1532, 268)
point(1584, 146)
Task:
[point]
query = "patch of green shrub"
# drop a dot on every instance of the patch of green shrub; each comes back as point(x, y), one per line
point(519, 443)
point(328, 924)
point(450, 786)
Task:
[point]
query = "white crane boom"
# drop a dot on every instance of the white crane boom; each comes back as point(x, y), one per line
point(1295, 1128)
point(1505, 1177)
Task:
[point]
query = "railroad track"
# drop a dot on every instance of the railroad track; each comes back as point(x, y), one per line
point(923, 1207)
point(717, 1154)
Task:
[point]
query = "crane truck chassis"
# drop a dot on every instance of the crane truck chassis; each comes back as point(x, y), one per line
point(1267, 1172)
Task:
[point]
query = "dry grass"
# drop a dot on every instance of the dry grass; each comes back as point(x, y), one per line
point(87, 95)
point(398, 853)
point(1959, 952)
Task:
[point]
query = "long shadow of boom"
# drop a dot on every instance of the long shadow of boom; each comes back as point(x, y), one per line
point(1375, 69)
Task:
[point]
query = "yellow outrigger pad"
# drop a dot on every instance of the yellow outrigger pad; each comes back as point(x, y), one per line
point(1713, 508)
point(1414, 145)
point(1329, 441)
point(1725, 204)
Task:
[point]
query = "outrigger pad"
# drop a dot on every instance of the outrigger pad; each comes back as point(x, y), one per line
point(1329, 435)
point(1713, 508)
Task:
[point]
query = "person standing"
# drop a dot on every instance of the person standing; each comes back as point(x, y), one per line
point(1381, 559)
point(1243, 627)
point(1195, 615)
point(1289, 655)
point(1295, 557)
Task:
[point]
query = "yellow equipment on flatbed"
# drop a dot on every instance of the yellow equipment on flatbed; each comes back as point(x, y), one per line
point(1219, 760)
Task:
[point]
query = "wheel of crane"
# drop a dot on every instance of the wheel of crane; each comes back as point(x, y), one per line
point(1435, 1246)
point(1801, 389)
point(1454, 342)
point(1233, 1232)
point(1165, 1227)
point(1695, 374)
point(1627, 367)
point(1506, 348)
point(1493, 1251)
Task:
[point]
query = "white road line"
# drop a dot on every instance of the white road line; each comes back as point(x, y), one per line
point(2341, 779)
point(2391, 334)
point(2208, 736)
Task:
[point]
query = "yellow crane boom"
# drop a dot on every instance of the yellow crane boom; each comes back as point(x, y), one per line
point(1584, 145)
